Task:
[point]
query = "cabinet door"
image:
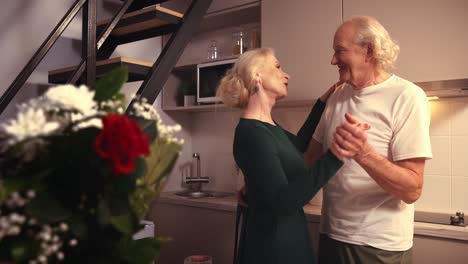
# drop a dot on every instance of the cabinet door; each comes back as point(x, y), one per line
point(194, 231)
point(432, 35)
point(301, 32)
point(428, 249)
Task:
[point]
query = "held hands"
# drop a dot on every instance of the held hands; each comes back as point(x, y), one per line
point(350, 139)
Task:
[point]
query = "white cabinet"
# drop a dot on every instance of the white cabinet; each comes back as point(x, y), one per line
point(432, 34)
point(194, 231)
point(428, 249)
point(301, 32)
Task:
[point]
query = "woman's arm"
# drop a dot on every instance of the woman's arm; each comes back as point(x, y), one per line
point(268, 187)
point(304, 135)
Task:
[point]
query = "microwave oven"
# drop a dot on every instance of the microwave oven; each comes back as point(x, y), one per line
point(209, 75)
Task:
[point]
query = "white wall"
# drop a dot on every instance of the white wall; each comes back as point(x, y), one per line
point(24, 25)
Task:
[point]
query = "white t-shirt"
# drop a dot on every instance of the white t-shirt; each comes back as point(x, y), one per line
point(355, 208)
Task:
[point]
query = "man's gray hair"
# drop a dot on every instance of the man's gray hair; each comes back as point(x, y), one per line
point(370, 31)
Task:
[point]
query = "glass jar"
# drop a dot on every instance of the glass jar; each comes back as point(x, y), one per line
point(254, 37)
point(212, 52)
point(239, 42)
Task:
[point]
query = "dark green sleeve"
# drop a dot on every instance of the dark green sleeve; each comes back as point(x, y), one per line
point(256, 152)
point(301, 141)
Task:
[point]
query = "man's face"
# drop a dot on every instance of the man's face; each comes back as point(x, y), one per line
point(352, 59)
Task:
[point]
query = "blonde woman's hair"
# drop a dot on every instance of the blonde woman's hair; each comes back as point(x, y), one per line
point(369, 30)
point(239, 82)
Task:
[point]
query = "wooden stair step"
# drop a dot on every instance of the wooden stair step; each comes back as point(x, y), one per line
point(139, 4)
point(147, 18)
point(137, 69)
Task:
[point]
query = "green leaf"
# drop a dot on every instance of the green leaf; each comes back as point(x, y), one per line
point(78, 226)
point(140, 168)
point(148, 127)
point(21, 250)
point(10, 185)
point(119, 204)
point(55, 211)
point(119, 97)
point(160, 163)
point(21, 182)
point(103, 213)
point(123, 223)
point(110, 84)
point(162, 159)
point(125, 183)
point(144, 250)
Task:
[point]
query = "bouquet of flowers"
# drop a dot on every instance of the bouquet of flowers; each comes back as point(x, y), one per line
point(77, 174)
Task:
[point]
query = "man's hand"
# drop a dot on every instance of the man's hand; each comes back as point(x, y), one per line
point(350, 138)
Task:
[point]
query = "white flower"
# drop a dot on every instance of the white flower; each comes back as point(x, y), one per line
point(93, 122)
point(144, 110)
point(72, 98)
point(30, 123)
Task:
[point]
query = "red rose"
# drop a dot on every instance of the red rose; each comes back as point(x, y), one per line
point(121, 140)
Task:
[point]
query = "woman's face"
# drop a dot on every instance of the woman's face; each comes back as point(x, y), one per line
point(273, 79)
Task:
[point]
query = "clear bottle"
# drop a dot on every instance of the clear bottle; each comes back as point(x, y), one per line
point(254, 37)
point(239, 42)
point(212, 52)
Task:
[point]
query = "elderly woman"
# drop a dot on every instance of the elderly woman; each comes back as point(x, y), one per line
point(278, 181)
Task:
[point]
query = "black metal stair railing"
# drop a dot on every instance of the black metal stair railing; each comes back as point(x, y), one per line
point(20, 80)
point(89, 47)
point(104, 45)
point(157, 77)
point(75, 76)
point(89, 42)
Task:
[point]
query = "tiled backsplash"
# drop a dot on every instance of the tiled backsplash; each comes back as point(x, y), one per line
point(446, 175)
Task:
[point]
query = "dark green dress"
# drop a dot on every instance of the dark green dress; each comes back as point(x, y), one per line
point(279, 184)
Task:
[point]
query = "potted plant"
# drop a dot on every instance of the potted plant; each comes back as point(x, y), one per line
point(189, 90)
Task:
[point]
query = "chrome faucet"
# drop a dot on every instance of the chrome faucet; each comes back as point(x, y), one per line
point(195, 182)
point(197, 156)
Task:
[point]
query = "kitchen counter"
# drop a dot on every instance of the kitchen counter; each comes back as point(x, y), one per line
point(229, 203)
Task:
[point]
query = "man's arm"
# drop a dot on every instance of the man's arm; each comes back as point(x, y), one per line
point(403, 179)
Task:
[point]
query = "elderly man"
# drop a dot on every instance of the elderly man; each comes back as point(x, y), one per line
point(368, 211)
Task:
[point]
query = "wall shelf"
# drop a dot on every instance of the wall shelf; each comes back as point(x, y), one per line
point(225, 18)
point(192, 65)
point(242, 14)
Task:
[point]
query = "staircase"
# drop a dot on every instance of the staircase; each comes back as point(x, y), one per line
point(135, 20)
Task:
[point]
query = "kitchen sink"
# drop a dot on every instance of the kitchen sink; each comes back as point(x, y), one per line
point(202, 194)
